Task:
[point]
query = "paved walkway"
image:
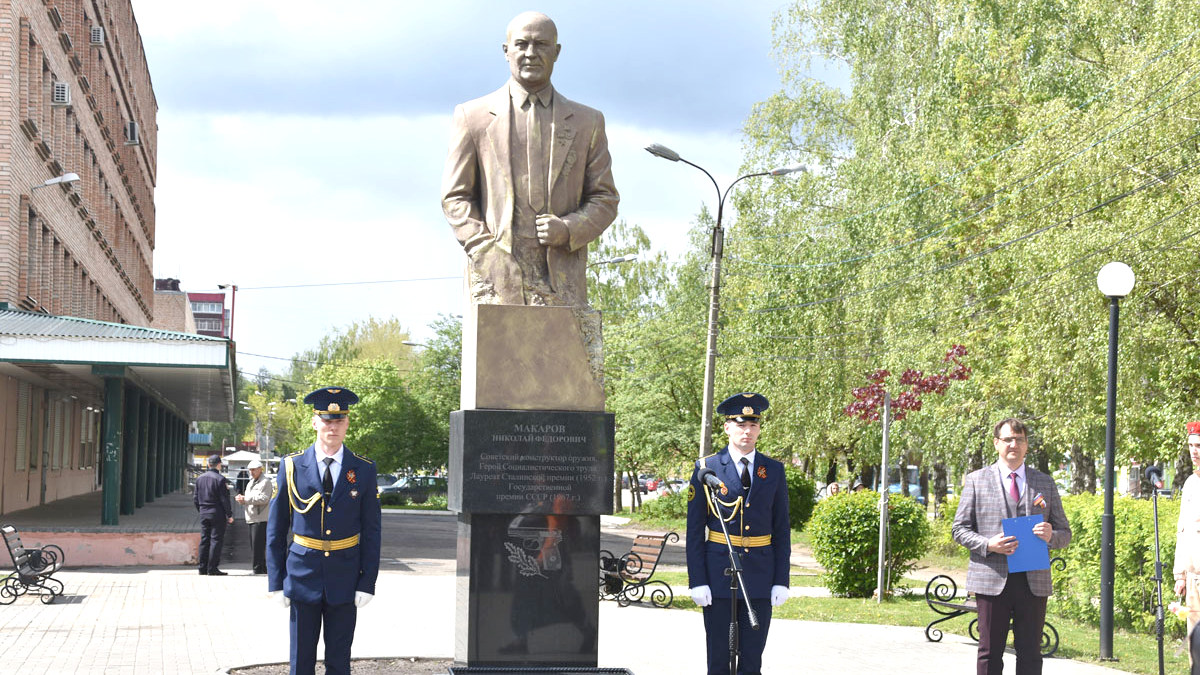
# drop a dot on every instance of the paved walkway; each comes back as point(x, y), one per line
point(171, 620)
point(174, 621)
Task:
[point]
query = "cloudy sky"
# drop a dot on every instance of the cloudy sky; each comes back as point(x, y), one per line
point(301, 142)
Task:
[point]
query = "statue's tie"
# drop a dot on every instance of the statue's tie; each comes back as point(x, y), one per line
point(537, 164)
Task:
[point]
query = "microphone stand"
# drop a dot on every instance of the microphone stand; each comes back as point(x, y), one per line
point(1158, 579)
point(736, 582)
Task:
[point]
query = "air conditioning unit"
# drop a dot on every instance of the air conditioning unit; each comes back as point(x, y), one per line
point(61, 94)
point(131, 134)
point(97, 35)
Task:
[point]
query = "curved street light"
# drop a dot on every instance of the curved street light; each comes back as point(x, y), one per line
point(65, 178)
point(1114, 280)
point(718, 250)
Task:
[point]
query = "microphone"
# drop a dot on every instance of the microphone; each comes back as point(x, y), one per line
point(1154, 474)
point(709, 477)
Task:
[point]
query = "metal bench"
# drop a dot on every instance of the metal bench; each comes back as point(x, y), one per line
point(941, 594)
point(32, 569)
point(626, 579)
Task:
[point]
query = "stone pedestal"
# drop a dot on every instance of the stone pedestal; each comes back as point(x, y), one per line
point(531, 470)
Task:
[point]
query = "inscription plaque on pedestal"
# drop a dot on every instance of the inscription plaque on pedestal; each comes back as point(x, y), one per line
point(529, 487)
point(515, 461)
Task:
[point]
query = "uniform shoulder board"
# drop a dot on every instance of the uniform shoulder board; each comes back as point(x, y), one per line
point(366, 459)
point(296, 454)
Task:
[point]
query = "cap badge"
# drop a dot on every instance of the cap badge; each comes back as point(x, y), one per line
point(747, 410)
point(334, 391)
point(333, 407)
point(748, 395)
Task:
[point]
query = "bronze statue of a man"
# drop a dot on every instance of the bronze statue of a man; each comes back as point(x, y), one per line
point(528, 181)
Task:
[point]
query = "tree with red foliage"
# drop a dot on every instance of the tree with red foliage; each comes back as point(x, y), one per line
point(868, 400)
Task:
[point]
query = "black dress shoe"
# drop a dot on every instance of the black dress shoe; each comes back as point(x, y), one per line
point(217, 573)
point(203, 573)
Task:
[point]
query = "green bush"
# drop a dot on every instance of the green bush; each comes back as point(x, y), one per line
point(392, 499)
point(667, 506)
point(845, 540)
point(1077, 588)
point(802, 496)
point(943, 540)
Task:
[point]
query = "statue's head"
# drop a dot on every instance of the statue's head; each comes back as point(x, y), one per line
point(531, 47)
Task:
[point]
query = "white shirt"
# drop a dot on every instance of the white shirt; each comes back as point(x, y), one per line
point(1005, 480)
point(336, 467)
point(737, 461)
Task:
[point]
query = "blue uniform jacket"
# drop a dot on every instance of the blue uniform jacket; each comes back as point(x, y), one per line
point(308, 575)
point(763, 511)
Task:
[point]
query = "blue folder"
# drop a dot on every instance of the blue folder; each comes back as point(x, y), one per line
point(1032, 553)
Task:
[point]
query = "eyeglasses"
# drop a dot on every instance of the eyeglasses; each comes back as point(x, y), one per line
point(1009, 440)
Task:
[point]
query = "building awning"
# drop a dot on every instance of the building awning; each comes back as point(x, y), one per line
point(193, 373)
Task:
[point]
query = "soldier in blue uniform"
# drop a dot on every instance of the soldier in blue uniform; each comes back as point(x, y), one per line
point(327, 497)
point(754, 505)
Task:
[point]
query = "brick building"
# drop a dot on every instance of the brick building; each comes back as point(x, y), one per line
point(91, 398)
point(211, 316)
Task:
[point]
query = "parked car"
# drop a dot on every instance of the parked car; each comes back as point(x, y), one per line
point(669, 485)
point(385, 479)
point(417, 489)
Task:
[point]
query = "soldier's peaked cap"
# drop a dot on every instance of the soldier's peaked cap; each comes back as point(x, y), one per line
point(331, 402)
point(744, 407)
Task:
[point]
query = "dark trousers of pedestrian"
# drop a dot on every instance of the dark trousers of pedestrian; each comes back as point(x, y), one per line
point(258, 547)
point(1027, 613)
point(1195, 652)
point(212, 536)
point(750, 642)
point(305, 628)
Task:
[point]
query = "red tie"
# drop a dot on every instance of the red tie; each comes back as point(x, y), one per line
point(1012, 488)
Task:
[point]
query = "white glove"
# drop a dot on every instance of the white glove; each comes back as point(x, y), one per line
point(361, 599)
point(779, 595)
point(701, 595)
point(278, 596)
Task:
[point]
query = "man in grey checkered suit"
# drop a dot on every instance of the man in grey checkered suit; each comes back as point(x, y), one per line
point(1008, 489)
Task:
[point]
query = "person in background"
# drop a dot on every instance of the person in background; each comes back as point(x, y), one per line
point(242, 479)
point(255, 499)
point(216, 512)
point(1187, 546)
point(832, 489)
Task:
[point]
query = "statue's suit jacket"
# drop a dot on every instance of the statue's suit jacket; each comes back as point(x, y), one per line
point(307, 575)
point(478, 193)
point(980, 511)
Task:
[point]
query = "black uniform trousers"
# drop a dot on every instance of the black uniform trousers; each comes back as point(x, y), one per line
point(750, 642)
point(212, 536)
point(1028, 615)
point(305, 628)
point(258, 547)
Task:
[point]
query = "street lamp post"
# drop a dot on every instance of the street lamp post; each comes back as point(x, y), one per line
point(232, 304)
point(718, 250)
point(1115, 280)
